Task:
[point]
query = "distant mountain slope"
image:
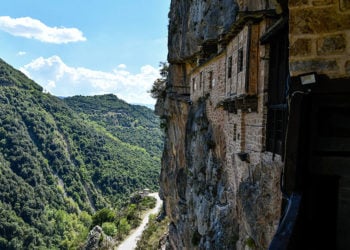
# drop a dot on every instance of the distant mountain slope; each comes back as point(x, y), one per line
point(55, 164)
point(132, 124)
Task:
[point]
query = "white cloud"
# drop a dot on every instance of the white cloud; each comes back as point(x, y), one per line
point(62, 80)
point(122, 66)
point(32, 28)
point(50, 85)
point(21, 53)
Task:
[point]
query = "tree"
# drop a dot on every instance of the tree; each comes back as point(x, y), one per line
point(159, 85)
point(109, 228)
point(101, 216)
point(123, 227)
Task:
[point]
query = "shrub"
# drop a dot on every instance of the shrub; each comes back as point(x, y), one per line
point(101, 216)
point(109, 228)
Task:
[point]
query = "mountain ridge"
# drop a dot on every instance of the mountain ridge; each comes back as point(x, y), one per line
point(58, 166)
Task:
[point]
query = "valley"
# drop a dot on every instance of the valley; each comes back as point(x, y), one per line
point(61, 160)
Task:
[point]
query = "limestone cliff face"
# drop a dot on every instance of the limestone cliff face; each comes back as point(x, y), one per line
point(214, 199)
point(193, 22)
point(213, 205)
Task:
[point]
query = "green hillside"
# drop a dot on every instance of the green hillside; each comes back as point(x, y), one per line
point(61, 160)
point(132, 124)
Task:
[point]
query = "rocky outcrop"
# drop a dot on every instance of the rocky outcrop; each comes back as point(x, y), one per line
point(206, 208)
point(214, 199)
point(191, 23)
point(174, 118)
point(207, 205)
point(98, 240)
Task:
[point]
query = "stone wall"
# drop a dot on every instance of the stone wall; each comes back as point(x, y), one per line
point(202, 85)
point(320, 37)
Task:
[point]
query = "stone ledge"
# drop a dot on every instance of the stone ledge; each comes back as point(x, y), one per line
point(245, 103)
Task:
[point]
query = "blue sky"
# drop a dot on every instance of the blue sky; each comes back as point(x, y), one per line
point(76, 47)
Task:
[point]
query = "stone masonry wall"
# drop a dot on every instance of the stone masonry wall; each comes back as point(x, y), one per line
point(320, 37)
point(201, 85)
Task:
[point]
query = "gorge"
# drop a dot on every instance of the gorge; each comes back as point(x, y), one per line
point(254, 106)
point(62, 161)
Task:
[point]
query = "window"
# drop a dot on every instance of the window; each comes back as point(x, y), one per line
point(229, 67)
point(277, 104)
point(240, 60)
point(211, 84)
point(200, 80)
point(276, 125)
point(194, 84)
point(235, 132)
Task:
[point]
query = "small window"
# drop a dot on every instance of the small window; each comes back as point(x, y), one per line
point(240, 60)
point(200, 80)
point(211, 80)
point(235, 132)
point(276, 128)
point(229, 67)
point(194, 84)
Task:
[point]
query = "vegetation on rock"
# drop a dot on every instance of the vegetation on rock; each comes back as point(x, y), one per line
point(159, 85)
point(118, 224)
point(154, 235)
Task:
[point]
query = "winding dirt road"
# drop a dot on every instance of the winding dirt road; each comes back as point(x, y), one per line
point(131, 241)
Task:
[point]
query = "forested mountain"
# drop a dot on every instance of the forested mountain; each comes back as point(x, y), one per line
point(132, 124)
point(61, 160)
